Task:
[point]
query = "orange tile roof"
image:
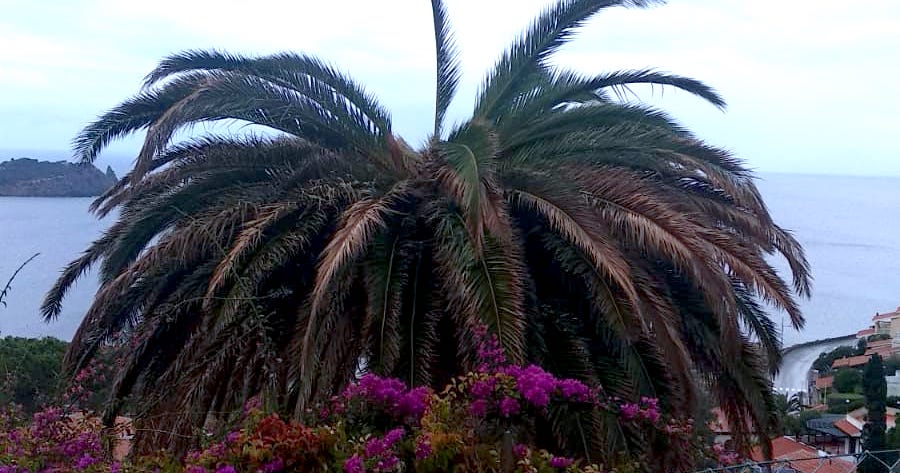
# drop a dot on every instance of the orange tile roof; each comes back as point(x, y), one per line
point(887, 315)
point(865, 332)
point(850, 362)
point(803, 458)
point(883, 352)
point(846, 427)
point(824, 382)
point(879, 343)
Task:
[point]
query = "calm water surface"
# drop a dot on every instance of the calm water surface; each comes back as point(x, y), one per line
point(848, 226)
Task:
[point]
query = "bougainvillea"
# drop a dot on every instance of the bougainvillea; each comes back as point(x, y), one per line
point(482, 422)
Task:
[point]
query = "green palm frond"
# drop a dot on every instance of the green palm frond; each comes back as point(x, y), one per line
point(447, 64)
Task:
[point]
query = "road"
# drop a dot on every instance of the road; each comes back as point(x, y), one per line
point(797, 362)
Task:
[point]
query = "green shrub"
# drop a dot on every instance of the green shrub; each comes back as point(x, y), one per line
point(823, 362)
point(847, 380)
point(839, 403)
point(30, 370)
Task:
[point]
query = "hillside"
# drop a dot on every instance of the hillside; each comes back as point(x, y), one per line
point(26, 177)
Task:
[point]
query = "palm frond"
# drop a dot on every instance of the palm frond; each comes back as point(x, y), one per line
point(447, 64)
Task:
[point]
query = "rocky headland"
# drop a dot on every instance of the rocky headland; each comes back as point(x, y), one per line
point(27, 177)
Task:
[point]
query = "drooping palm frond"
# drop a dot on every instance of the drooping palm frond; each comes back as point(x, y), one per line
point(593, 235)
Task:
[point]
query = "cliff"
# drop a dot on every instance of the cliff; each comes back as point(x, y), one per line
point(27, 177)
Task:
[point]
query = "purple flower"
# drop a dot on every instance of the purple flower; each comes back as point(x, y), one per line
point(273, 466)
point(574, 390)
point(393, 436)
point(354, 464)
point(520, 451)
point(508, 407)
point(560, 462)
point(374, 447)
point(478, 408)
point(423, 447)
point(483, 388)
point(232, 436)
point(629, 411)
point(225, 469)
point(85, 461)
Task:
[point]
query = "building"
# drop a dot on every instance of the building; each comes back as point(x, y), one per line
point(858, 416)
point(792, 455)
point(850, 362)
point(882, 323)
point(820, 389)
point(883, 348)
point(836, 434)
point(864, 333)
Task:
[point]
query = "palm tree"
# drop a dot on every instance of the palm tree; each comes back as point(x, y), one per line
point(594, 236)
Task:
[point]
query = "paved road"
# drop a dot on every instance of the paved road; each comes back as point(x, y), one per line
point(797, 362)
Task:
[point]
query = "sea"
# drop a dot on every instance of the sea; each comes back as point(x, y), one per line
point(848, 225)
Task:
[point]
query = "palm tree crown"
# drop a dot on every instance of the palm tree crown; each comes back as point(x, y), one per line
point(595, 237)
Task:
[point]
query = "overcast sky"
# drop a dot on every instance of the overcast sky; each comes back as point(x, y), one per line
point(812, 85)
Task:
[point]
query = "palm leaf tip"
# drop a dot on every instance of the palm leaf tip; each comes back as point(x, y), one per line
point(447, 63)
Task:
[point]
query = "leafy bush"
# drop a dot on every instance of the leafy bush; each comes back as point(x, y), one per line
point(839, 403)
point(891, 365)
point(30, 371)
point(847, 380)
point(481, 420)
point(878, 337)
point(825, 359)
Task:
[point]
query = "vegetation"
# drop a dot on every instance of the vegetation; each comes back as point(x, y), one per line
point(891, 365)
point(873, 436)
point(847, 380)
point(595, 237)
point(843, 403)
point(483, 422)
point(825, 359)
point(32, 178)
point(30, 370)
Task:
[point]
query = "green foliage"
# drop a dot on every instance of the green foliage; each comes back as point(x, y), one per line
point(878, 337)
point(825, 359)
point(875, 391)
point(891, 365)
point(839, 403)
point(847, 380)
point(30, 370)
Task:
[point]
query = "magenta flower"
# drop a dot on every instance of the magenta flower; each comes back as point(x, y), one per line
point(423, 447)
point(560, 462)
point(225, 469)
point(85, 461)
point(574, 390)
point(354, 464)
point(478, 408)
point(520, 451)
point(483, 388)
point(273, 466)
point(629, 411)
point(508, 407)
